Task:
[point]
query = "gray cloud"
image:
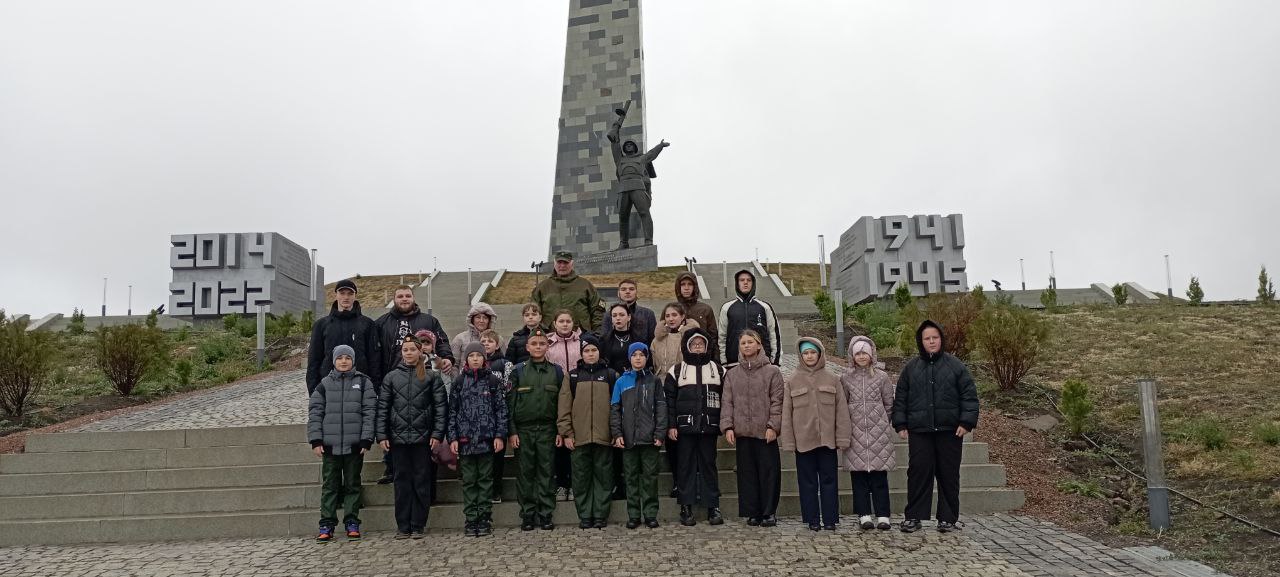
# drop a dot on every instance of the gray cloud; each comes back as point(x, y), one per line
point(387, 133)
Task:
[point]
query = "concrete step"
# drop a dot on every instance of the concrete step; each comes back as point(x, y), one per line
point(303, 471)
point(302, 520)
point(138, 460)
point(306, 493)
point(121, 440)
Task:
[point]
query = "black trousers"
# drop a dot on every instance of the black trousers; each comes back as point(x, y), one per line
point(934, 456)
point(563, 468)
point(870, 493)
point(696, 473)
point(412, 486)
point(759, 477)
point(819, 486)
point(640, 199)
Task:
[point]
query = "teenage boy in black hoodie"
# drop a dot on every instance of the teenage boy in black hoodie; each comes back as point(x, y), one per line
point(748, 312)
point(345, 325)
point(934, 407)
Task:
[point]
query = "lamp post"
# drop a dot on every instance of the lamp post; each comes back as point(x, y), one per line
point(1022, 269)
point(822, 260)
point(1168, 276)
point(104, 296)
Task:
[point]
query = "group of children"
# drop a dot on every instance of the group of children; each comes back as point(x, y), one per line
point(563, 394)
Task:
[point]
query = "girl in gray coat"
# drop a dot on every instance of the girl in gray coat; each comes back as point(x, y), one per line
point(870, 456)
point(340, 430)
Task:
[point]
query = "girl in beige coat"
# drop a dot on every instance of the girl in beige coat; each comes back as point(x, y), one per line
point(815, 424)
point(751, 418)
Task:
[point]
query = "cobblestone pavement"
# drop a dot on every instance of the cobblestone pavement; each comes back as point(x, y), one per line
point(996, 546)
point(276, 400)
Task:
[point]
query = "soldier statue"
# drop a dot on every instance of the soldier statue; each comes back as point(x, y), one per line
point(635, 169)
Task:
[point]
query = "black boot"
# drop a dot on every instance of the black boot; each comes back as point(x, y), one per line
point(686, 516)
point(714, 517)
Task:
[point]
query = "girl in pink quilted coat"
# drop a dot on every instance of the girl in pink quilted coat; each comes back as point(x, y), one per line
point(870, 456)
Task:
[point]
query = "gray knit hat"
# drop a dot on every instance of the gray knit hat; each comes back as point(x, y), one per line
point(472, 347)
point(344, 350)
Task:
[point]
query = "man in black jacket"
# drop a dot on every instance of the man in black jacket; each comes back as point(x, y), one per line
point(345, 325)
point(934, 407)
point(406, 319)
point(748, 312)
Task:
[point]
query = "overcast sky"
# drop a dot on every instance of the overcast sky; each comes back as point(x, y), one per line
point(387, 133)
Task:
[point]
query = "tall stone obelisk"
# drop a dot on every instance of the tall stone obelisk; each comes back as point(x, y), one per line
point(603, 68)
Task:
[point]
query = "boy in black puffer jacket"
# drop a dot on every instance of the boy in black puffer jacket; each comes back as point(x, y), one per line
point(934, 407)
point(477, 428)
point(693, 389)
point(340, 419)
point(409, 424)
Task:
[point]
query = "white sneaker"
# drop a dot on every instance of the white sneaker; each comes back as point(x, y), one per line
point(560, 493)
point(568, 494)
point(882, 523)
point(865, 522)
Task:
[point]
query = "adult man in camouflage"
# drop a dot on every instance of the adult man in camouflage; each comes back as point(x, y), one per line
point(564, 289)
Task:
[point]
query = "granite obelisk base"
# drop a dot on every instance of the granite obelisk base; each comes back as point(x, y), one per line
point(634, 259)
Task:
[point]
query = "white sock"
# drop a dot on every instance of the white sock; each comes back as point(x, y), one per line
point(882, 520)
point(864, 519)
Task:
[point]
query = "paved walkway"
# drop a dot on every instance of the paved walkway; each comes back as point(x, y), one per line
point(275, 400)
point(990, 546)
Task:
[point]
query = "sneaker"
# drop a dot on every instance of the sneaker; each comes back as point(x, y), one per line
point(559, 493)
point(484, 528)
point(586, 523)
point(528, 524)
point(686, 516)
point(674, 494)
point(947, 527)
point(568, 494)
point(547, 525)
point(386, 479)
point(418, 534)
point(325, 535)
point(882, 523)
point(353, 532)
point(910, 526)
point(753, 521)
point(399, 536)
point(769, 521)
point(829, 527)
point(469, 529)
point(651, 523)
point(714, 517)
point(815, 527)
point(865, 522)
point(601, 523)
point(633, 523)
point(496, 499)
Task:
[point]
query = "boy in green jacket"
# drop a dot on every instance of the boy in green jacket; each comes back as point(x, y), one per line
point(533, 401)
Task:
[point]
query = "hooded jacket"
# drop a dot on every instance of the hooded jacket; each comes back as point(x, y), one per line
point(638, 412)
point(565, 352)
point(666, 346)
point(753, 398)
point(570, 292)
point(394, 327)
point(340, 413)
point(693, 389)
point(701, 312)
point(472, 334)
point(869, 394)
point(517, 352)
point(749, 312)
point(584, 404)
point(410, 411)
point(814, 411)
point(935, 392)
point(344, 328)
point(477, 412)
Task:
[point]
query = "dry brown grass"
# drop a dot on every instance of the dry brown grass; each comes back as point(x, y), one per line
point(375, 291)
point(800, 278)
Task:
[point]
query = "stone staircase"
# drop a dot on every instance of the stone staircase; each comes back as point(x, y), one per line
point(785, 307)
point(262, 481)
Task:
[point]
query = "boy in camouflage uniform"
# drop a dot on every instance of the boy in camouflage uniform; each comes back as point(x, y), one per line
point(534, 395)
